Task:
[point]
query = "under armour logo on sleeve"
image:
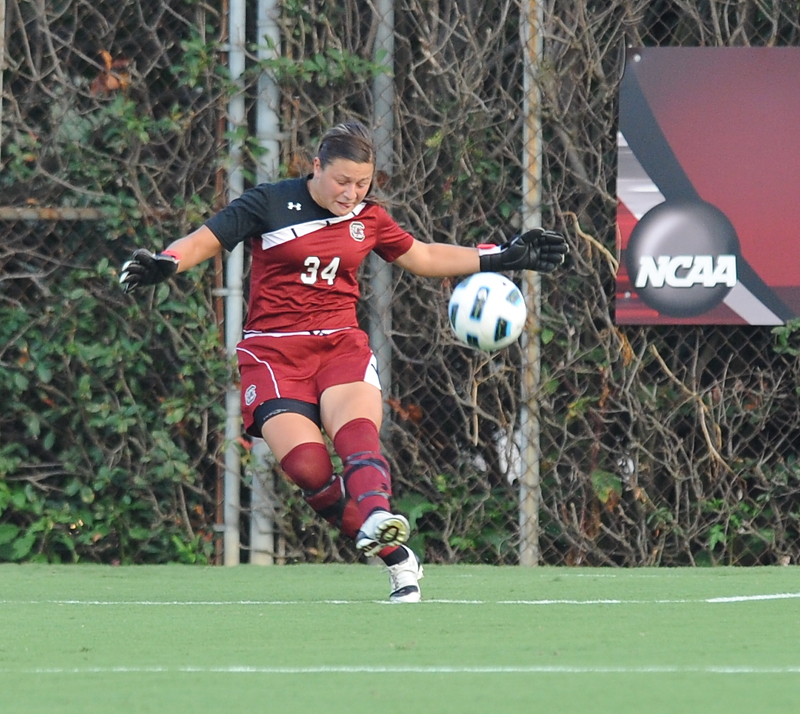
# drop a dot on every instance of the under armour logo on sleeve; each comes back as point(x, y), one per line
point(293, 206)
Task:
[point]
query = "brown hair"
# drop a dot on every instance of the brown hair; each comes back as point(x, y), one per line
point(349, 140)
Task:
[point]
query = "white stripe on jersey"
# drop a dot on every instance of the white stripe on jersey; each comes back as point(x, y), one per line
point(304, 333)
point(284, 235)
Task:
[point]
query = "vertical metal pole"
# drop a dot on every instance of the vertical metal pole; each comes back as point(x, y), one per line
point(2, 61)
point(529, 487)
point(268, 99)
point(380, 326)
point(262, 525)
point(234, 311)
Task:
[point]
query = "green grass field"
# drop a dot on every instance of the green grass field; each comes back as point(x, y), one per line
point(322, 638)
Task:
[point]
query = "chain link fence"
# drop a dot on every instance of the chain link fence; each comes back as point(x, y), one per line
point(668, 445)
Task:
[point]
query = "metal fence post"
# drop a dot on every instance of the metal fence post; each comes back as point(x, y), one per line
point(262, 525)
point(529, 487)
point(2, 61)
point(234, 311)
point(383, 97)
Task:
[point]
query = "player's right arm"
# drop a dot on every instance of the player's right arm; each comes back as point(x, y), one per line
point(146, 268)
point(194, 248)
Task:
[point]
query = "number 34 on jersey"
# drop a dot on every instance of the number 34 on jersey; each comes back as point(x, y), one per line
point(313, 272)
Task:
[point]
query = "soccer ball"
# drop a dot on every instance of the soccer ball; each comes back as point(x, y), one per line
point(487, 311)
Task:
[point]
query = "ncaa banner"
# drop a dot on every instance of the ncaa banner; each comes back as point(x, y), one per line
point(708, 186)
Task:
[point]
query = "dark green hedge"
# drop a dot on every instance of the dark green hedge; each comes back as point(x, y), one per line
point(111, 408)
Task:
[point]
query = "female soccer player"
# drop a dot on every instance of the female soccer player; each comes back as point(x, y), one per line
point(305, 365)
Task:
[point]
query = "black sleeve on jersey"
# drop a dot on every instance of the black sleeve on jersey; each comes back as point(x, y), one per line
point(263, 208)
point(243, 217)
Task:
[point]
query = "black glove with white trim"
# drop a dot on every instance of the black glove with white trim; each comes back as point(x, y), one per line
point(536, 249)
point(146, 268)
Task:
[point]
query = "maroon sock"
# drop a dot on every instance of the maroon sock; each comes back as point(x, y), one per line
point(366, 472)
point(392, 555)
point(351, 520)
point(308, 465)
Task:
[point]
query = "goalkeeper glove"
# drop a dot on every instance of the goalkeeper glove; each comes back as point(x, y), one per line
point(536, 249)
point(146, 268)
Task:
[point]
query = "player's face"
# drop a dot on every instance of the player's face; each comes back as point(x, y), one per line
point(341, 185)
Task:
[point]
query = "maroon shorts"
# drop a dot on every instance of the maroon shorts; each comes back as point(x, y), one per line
point(301, 366)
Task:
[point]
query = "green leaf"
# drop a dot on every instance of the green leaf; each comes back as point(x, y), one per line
point(19, 500)
point(606, 485)
point(22, 546)
point(43, 373)
point(8, 532)
point(20, 381)
point(87, 495)
point(140, 533)
point(716, 535)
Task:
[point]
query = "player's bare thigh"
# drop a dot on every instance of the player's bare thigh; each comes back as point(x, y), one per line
point(342, 403)
point(284, 431)
point(338, 405)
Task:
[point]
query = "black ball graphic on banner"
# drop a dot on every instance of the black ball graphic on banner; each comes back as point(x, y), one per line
point(682, 257)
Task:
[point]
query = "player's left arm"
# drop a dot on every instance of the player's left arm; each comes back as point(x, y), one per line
point(536, 249)
point(439, 260)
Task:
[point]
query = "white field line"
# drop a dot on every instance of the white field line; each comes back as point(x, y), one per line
point(228, 603)
point(413, 669)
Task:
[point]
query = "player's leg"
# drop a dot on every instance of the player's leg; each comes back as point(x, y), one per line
point(351, 409)
point(291, 424)
point(368, 483)
point(351, 414)
point(296, 442)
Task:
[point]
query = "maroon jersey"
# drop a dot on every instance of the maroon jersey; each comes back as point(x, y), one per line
point(304, 273)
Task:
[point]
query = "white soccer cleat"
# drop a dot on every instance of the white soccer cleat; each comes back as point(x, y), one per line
point(380, 530)
point(404, 578)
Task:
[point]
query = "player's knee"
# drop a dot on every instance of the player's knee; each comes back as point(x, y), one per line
point(309, 466)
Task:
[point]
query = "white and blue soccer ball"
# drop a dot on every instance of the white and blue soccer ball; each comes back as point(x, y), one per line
point(487, 311)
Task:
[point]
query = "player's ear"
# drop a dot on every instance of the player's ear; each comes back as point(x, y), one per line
point(317, 167)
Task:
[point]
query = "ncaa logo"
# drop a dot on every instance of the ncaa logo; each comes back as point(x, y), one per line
point(357, 232)
point(250, 395)
point(682, 258)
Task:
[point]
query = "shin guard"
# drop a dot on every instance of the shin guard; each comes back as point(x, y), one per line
point(367, 480)
point(366, 473)
point(329, 501)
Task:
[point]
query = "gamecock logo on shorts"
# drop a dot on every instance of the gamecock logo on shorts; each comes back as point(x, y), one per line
point(250, 395)
point(357, 231)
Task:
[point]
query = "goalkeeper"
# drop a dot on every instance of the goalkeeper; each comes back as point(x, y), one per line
point(305, 365)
